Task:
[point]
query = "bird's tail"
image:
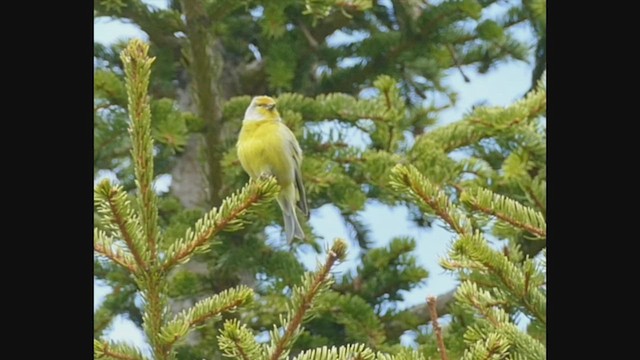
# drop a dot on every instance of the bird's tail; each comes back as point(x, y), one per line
point(286, 200)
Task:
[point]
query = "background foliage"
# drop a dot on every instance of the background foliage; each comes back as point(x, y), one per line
point(387, 88)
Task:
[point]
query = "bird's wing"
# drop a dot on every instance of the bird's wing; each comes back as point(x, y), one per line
point(297, 159)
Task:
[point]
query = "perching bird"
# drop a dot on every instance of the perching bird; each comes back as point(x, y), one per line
point(266, 146)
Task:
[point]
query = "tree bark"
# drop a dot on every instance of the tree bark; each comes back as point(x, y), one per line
point(206, 65)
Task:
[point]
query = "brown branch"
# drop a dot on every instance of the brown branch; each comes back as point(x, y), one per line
point(418, 316)
point(432, 301)
point(305, 305)
point(442, 306)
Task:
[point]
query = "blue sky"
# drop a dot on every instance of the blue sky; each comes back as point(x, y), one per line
point(501, 86)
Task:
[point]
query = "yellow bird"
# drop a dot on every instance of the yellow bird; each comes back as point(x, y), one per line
point(266, 146)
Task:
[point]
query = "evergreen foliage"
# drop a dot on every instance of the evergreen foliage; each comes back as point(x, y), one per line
point(210, 282)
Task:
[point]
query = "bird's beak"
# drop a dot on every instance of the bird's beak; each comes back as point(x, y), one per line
point(271, 106)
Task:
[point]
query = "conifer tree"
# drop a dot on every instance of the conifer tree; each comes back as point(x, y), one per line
point(196, 250)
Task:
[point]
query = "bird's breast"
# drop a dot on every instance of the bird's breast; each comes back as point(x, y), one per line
point(261, 149)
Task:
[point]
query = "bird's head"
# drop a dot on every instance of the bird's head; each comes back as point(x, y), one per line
point(261, 108)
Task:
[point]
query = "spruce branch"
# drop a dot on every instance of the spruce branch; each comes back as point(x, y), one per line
point(211, 307)
point(402, 354)
point(473, 252)
point(137, 68)
point(236, 341)
point(346, 352)
point(226, 217)
point(355, 352)
point(357, 316)
point(102, 317)
point(408, 179)
point(431, 302)
point(394, 106)
point(159, 24)
point(153, 284)
point(401, 273)
point(492, 347)
point(536, 191)
point(302, 301)
point(113, 304)
point(498, 322)
point(115, 350)
point(104, 245)
point(476, 166)
point(507, 210)
point(219, 10)
point(485, 122)
point(119, 217)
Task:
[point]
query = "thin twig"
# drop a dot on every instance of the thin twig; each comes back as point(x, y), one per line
point(307, 34)
point(432, 301)
point(457, 63)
